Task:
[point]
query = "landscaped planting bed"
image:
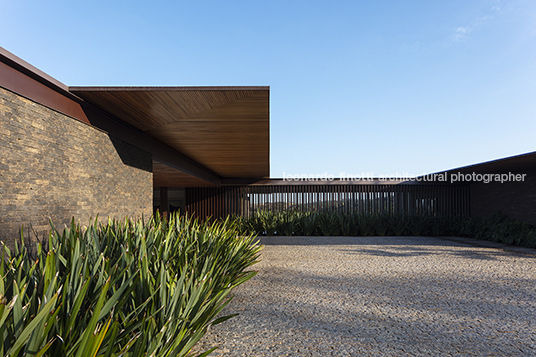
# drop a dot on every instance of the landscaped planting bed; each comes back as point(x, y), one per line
point(126, 288)
point(497, 228)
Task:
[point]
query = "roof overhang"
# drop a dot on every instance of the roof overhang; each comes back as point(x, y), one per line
point(198, 136)
point(518, 164)
point(224, 129)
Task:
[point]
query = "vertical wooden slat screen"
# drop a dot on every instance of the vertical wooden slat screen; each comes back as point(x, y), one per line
point(452, 200)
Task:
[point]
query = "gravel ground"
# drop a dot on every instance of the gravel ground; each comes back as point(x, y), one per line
point(382, 296)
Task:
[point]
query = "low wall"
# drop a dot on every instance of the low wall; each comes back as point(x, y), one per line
point(54, 166)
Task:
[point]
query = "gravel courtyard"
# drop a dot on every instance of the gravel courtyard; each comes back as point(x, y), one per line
point(382, 296)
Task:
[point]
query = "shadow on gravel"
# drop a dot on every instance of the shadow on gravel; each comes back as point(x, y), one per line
point(490, 254)
point(446, 315)
point(395, 246)
point(366, 240)
point(426, 304)
point(334, 300)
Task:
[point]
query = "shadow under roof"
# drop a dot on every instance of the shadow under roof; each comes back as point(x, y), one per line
point(225, 129)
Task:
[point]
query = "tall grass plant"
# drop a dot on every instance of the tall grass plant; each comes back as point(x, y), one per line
point(125, 288)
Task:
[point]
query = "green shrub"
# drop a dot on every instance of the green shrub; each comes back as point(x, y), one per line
point(288, 223)
point(328, 223)
point(399, 224)
point(124, 288)
point(308, 223)
point(497, 228)
point(381, 224)
point(366, 224)
point(418, 225)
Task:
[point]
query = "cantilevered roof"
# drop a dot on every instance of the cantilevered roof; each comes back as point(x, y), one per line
point(225, 129)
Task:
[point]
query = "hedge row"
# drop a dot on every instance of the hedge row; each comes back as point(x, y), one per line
point(498, 228)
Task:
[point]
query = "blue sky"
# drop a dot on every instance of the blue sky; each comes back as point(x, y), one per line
point(383, 87)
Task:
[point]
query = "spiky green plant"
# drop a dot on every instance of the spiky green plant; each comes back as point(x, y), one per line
point(418, 224)
point(345, 223)
point(308, 223)
point(399, 223)
point(289, 222)
point(328, 223)
point(382, 224)
point(269, 221)
point(122, 289)
point(366, 224)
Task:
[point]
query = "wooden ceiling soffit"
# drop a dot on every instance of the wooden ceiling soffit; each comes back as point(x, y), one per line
point(225, 129)
point(151, 107)
point(231, 140)
point(166, 176)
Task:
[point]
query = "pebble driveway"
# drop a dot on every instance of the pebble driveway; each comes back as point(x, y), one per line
point(382, 296)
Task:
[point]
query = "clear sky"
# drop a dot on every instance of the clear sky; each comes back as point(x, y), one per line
point(383, 87)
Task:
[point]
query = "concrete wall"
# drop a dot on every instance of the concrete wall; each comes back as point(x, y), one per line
point(54, 166)
point(515, 199)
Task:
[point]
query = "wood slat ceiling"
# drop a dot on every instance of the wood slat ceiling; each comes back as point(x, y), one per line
point(225, 129)
point(165, 176)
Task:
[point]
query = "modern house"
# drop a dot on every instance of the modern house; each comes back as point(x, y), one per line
point(117, 151)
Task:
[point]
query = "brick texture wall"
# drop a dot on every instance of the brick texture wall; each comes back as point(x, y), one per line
point(515, 199)
point(54, 166)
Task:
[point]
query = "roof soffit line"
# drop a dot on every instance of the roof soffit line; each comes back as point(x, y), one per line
point(151, 107)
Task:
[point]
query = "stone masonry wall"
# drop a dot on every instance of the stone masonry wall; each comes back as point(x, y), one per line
point(54, 166)
point(515, 199)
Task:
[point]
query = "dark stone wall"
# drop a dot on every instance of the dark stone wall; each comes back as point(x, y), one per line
point(515, 199)
point(54, 166)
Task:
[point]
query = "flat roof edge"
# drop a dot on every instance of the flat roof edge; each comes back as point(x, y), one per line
point(24, 67)
point(501, 160)
point(316, 182)
point(166, 88)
